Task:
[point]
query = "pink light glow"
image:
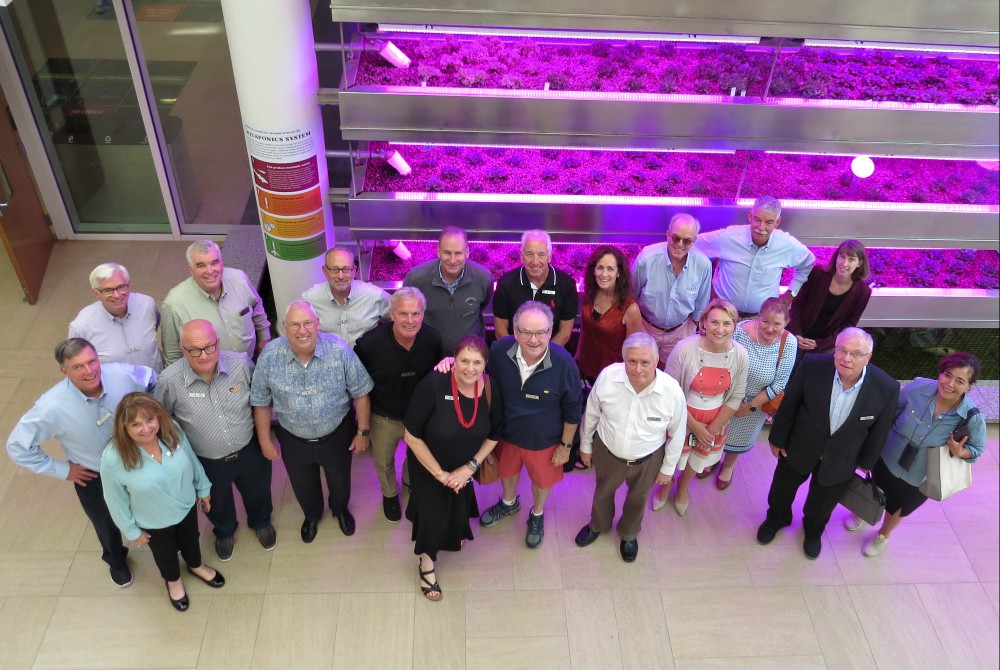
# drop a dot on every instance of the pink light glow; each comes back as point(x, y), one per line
point(869, 104)
point(877, 206)
point(552, 199)
point(563, 147)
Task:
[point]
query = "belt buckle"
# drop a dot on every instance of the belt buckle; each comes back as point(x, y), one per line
point(632, 462)
point(231, 457)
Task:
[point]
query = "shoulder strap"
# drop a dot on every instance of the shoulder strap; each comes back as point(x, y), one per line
point(781, 349)
point(488, 388)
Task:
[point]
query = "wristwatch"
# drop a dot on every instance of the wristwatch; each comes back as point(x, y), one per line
point(364, 432)
point(566, 445)
point(752, 408)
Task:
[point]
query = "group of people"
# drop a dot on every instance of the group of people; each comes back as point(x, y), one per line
point(677, 359)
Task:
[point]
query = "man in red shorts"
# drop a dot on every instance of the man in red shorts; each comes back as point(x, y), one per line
point(542, 404)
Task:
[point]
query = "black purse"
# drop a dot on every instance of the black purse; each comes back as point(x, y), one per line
point(962, 429)
point(863, 497)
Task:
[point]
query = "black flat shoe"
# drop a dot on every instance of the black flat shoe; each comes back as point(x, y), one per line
point(309, 529)
point(216, 582)
point(346, 521)
point(180, 604)
point(586, 537)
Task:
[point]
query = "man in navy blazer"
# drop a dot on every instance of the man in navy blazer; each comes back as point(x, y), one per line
point(835, 418)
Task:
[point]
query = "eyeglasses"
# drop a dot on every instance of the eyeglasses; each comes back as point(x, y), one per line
point(855, 355)
point(210, 349)
point(296, 327)
point(108, 292)
point(528, 334)
point(346, 270)
point(685, 241)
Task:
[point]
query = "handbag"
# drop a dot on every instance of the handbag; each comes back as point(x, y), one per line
point(946, 474)
point(489, 469)
point(863, 497)
point(961, 431)
point(772, 405)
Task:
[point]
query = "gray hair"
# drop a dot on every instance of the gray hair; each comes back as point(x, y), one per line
point(72, 347)
point(304, 305)
point(683, 216)
point(453, 231)
point(530, 306)
point(769, 204)
point(537, 234)
point(641, 341)
point(104, 271)
point(408, 293)
point(857, 332)
point(345, 250)
point(201, 247)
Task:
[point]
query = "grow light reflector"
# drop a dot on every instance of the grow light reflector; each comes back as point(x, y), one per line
point(566, 148)
point(565, 34)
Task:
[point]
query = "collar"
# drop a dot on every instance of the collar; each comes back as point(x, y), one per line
point(666, 255)
point(79, 394)
point(347, 300)
point(318, 352)
point(550, 279)
point(621, 377)
point(836, 377)
point(222, 284)
point(190, 376)
point(928, 391)
point(457, 281)
point(749, 240)
point(514, 353)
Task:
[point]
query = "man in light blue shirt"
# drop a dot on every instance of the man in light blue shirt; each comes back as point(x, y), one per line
point(310, 379)
point(751, 258)
point(79, 413)
point(672, 284)
point(121, 325)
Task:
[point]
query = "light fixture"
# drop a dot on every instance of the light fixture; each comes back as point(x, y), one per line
point(863, 167)
point(399, 249)
point(391, 53)
point(396, 160)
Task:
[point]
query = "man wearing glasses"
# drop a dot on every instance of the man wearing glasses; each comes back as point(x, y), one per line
point(310, 378)
point(835, 418)
point(672, 284)
point(346, 307)
point(751, 259)
point(121, 325)
point(220, 295)
point(542, 405)
point(208, 392)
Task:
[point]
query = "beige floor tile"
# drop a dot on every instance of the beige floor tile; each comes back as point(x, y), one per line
point(642, 630)
point(514, 614)
point(838, 629)
point(41, 514)
point(439, 632)
point(34, 573)
point(246, 572)
point(758, 622)
point(391, 615)
point(484, 564)
point(981, 542)
point(592, 639)
point(333, 564)
point(8, 387)
point(284, 642)
point(147, 633)
point(786, 565)
point(701, 565)
point(993, 592)
point(89, 576)
point(916, 554)
point(899, 631)
point(966, 623)
point(714, 518)
point(232, 628)
point(600, 566)
point(761, 663)
point(518, 653)
point(23, 621)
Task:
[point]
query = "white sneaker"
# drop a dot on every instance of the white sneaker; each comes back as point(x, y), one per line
point(854, 523)
point(876, 546)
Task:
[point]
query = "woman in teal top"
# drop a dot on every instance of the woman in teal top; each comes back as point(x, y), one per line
point(928, 412)
point(151, 480)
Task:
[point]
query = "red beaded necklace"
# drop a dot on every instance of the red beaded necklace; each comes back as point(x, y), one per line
point(458, 404)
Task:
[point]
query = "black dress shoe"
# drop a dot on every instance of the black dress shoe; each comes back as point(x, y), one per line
point(766, 533)
point(629, 550)
point(586, 537)
point(181, 604)
point(216, 582)
point(391, 509)
point(812, 548)
point(309, 529)
point(346, 521)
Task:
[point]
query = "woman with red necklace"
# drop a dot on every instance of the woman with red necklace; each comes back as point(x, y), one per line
point(452, 425)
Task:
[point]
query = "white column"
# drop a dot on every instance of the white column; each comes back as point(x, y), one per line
point(276, 81)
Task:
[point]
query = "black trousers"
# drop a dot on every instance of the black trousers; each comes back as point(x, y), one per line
point(303, 461)
point(251, 473)
point(92, 500)
point(166, 542)
point(820, 501)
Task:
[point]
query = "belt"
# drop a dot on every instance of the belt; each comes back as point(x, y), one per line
point(634, 461)
point(670, 329)
point(748, 315)
point(233, 456)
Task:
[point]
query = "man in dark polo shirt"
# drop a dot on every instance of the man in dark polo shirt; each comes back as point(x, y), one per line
point(536, 280)
point(208, 392)
point(397, 356)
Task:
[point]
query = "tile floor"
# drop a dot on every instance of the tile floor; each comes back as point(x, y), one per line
point(702, 593)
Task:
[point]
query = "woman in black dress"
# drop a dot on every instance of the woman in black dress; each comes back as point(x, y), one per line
point(452, 425)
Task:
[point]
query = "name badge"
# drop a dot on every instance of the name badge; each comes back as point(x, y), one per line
point(867, 418)
point(548, 292)
point(530, 396)
point(244, 311)
point(309, 392)
point(196, 395)
point(408, 374)
point(449, 397)
point(653, 418)
point(107, 415)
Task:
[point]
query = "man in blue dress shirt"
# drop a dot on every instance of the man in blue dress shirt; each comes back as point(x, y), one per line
point(751, 258)
point(310, 378)
point(79, 412)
